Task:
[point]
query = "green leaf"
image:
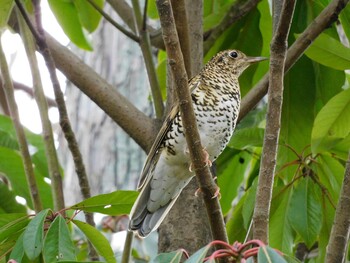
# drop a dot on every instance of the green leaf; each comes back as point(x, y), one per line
point(14, 227)
point(115, 203)
point(332, 123)
point(97, 240)
point(7, 140)
point(58, 245)
point(198, 256)
point(9, 218)
point(34, 235)
point(8, 201)
point(329, 52)
point(305, 211)
point(5, 11)
point(345, 20)
point(281, 234)
point(18, 250)
point(88, 15)
point(247, 137)
point(171, 257)
point(269, 255)
point(213, 19)
point(68, 17)
point(152, 11)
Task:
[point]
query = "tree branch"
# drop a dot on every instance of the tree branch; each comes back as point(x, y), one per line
point(203, 174)
point(273, 122)
point(148, 58)
point(337, 246)
point(27, 162)
point(50, 150)
point(238, 10)
point(321, 22)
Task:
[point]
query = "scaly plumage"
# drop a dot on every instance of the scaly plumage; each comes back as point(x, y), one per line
point(216, 100)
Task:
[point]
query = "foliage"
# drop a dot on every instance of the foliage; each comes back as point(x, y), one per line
point(314, 144)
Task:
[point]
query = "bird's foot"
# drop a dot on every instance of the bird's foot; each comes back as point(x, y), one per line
point(206, 160)
point(216, 194)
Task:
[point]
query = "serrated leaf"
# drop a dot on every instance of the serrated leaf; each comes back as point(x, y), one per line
point(58, 245)
point(332, 123)
point(305, 214)
point(198, 256)
point(68, 18)
point(329, 52)
point(115, 203)
point(171, 257)
point(88, 15)
point(5, 11)
point(247, 137)
point(34, 235)
point(269, 255)
point(98, 240)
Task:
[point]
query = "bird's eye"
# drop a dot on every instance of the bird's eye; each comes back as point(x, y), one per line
point(233, 54)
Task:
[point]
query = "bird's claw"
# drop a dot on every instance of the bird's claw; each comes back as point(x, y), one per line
point(217, 193)
point(206, 160)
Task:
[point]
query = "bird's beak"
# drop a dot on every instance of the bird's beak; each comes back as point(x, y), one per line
point(252, 60)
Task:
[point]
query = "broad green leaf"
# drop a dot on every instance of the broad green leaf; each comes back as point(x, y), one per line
point(8, 141)
point(171, 257)
point(341, 149)
point(161, 72)
point(98, 240)
point(329, 52)
point(5, 11)
point(58, 245)
point(34, 235)
point(9, 218)
point(231, 179)
point(247, 137)
point(269, 255)
point(14, 227)
point(88, 15)
point(305, 214)
point(152, 11)
point(18, 250)
point(332, 123)
point(198, 256)
point(8, 202)
point(345, 20)
point(249, 203)
point(215, 17)
point(68, 17)
point(281, 234)
point(115, 203)
point(297, 114)
point(11, 166)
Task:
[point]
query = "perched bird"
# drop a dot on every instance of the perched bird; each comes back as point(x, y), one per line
point(216, 100)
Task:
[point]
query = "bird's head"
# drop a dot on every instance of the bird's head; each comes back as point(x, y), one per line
point(233, 61)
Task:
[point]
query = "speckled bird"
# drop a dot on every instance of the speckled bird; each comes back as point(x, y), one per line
point(216, 100)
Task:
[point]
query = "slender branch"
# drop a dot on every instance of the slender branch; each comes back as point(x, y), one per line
point(273, 122)
point(50, 150)
point(146, 48)
point(336, 249)
point(27, 163)
point(320, 23)
point(179, 10)
point(195, 147)
point(239, 9)
point(63, 115)
point(126, 14)
point(114, 23)
point(127, 247)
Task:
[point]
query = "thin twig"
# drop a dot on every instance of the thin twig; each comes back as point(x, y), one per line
point(50, 150)
point(146, 48)
point(27, 162)
point(63, 115)
point(177, 66)
point(114, 23)
point(336, 249)
point(328, 16)
point(127, 247)
point(238, 10)
point(273, 122)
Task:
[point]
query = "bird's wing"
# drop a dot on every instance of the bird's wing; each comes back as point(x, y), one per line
point(154, 153)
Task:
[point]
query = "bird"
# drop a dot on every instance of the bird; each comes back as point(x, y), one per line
point(167, 170)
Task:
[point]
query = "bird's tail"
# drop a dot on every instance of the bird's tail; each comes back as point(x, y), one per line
point(144, 221)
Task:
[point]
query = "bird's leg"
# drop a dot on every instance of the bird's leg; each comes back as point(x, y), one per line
point(206, 160)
